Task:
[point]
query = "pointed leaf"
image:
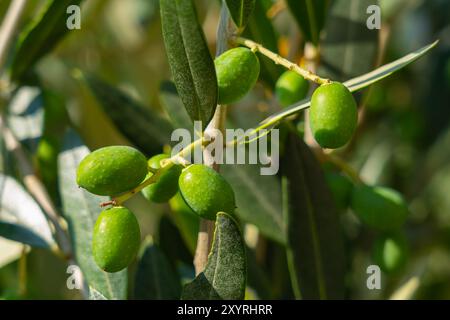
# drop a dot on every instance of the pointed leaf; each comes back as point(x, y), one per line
point(240, 11)
point(258, 199)
point(357, 83)
point(349, 47)
point(41, 36)
point(81, 210)
point(191, 64)
point(21, 218)
point(310, 16)
point(225, 274)
point(145, 128)
point(155, 278)
point(315, 246)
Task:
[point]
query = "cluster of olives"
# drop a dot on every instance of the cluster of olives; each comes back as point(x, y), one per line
point(380, 208)
point(115, 170)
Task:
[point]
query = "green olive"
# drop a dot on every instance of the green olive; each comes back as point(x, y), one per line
point(112, 170)
point(390, 252)
point(116, 239)
point(206, 191)
point(340, 187)
point(333, 115)
point(291, 88)
point(379, 207)
point(167, 185)
point(237, 72)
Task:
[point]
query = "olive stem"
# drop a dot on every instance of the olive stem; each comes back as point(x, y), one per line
point(165, 165)
point(308, 75)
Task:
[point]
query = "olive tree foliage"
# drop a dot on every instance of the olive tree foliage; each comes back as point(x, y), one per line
point(286, 238)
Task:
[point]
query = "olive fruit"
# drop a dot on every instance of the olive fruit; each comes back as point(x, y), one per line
point(340, 187)
point(167, 185)
point(379, 207)
point(291, 88)
point(112, 170)
point(390, 252)
point(116, 239)
point(237, 71)
point(206, 191)
point(333, 115)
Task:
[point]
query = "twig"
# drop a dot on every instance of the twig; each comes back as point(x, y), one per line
point(8, 28)
point(308, 75)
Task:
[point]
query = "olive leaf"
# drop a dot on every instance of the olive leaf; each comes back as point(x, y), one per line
point(349, 48)
point(240, 11)
point(258, 199)
point(145, 128)
point(25, 115)
point(40, 37)
point(225, 274)
point(357, 83)
point(191, 64)
point(261, 30)
point(315, 248)
point(81, 210)
point(155, 278)
point(310, 16)
point(21, 218)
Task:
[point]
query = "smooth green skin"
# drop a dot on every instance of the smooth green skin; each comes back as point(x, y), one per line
point(340, 187)
point(112, 170)
point(333, 115)
point(167, 185)
point(237, 72)
point(291, 88)
point(379, 207)
point(206, 191)
point(116, 239)
point(390, 252)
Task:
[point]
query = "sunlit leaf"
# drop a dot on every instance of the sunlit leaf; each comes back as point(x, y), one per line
point(191, 63)
point(225, 274)
point(21, 218)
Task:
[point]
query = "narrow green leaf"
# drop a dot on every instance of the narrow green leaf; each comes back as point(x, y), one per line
point(310, 17)
point(145, 128)
point(81, 210)
point(258, 199)
point(349, 48)
point(172, 104)
point(357, 83)
point(20, 234)
point(225, 274)
point(261, 30)
point(240, 11)
point(315, 246)
point(21, 218)
point(191, 64)
point(41, 36)
point(155, 278)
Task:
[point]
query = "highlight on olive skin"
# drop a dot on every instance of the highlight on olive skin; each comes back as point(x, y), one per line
point(112, 170)
point(206, 192)
point(115, 239)
point(333, 115)
point(237, 71)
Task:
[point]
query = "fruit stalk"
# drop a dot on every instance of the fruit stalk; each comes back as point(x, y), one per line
point(308, 75)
